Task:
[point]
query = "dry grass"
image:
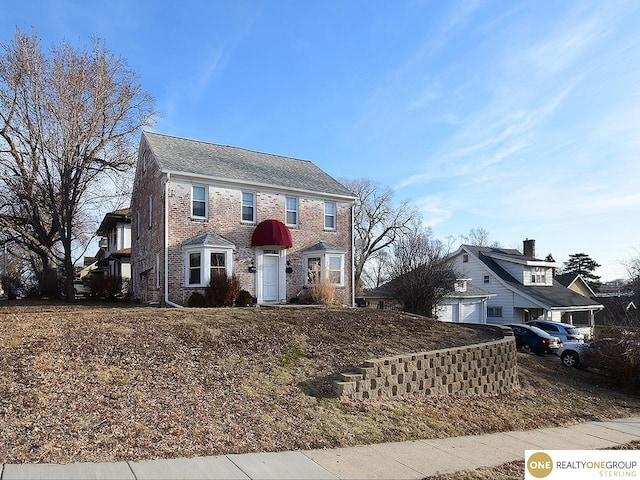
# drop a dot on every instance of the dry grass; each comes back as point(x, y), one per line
point(81, 383)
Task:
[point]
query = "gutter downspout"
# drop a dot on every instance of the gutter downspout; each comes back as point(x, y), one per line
point(353, 260)
point(166, 244)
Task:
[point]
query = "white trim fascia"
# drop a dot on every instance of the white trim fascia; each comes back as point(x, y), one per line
point(239, 183)
point(522, 261)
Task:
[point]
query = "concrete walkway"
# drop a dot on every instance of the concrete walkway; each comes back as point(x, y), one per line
point(401, 460)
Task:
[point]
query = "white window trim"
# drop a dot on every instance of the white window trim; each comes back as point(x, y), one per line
point(286, 211)
point(206, 202)
point(254, 206)
point(324, 267)
point(205, 264)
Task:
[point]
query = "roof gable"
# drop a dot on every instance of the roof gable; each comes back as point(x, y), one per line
point(238, 165)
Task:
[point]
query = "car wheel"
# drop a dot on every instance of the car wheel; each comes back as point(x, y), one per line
point(570, 359)
point(526, 348)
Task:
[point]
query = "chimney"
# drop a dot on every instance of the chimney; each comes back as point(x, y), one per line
point(529, 247)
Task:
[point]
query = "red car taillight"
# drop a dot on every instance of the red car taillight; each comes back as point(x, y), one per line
point(546, 340)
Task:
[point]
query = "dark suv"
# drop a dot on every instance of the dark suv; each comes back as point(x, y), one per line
point(531, 339)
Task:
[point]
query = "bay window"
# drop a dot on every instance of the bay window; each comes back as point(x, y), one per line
point(325, 267)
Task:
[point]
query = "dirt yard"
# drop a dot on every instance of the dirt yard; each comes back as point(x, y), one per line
point(89, 383)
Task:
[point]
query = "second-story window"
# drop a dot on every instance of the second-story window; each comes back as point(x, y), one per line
point(291, 211)
point(538, 275)
point(198, 201)
point(248, 207)
point(330, 215)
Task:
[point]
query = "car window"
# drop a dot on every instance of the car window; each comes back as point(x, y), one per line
point(540, 332)
point(572, 331)
point(550, 328)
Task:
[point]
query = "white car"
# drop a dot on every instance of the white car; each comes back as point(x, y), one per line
point(80, 289)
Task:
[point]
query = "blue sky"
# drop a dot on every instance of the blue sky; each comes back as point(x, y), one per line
point(519, 117)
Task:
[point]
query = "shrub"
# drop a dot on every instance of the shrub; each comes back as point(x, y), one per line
point(244, 299)
point(222, 291)
point(104, 286)
point(196, 300)
point(321, 293)
point(619, 357)
point(48, 284)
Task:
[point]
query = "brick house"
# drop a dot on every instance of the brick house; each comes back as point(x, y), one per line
point(278, 224)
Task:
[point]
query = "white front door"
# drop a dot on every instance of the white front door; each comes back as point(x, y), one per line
point(271, 267)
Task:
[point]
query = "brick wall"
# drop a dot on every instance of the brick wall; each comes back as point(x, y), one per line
point(147, 229)
point(475, 369)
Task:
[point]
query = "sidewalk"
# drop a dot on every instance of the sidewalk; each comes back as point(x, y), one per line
point(401, 460)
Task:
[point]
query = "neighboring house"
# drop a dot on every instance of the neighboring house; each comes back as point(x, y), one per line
point(619, 310)
point(576, 283)
point(278, 224)
point(114, 253)
point(466, 303)
point(522, 286)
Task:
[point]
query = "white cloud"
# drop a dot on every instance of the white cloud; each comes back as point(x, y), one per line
point(433, 209)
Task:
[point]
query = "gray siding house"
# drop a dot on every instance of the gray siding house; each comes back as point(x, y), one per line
point(522, 286)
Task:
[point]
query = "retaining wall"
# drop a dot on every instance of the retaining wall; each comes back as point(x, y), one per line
point(483, 368)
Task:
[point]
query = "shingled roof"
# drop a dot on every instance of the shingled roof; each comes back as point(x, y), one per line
point(234, 164)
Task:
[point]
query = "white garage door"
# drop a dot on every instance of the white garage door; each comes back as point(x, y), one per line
point(471, 312)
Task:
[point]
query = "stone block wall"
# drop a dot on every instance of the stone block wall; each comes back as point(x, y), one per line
point(484, 368)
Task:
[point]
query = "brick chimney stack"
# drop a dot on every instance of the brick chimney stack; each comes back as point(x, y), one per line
point(529, 247)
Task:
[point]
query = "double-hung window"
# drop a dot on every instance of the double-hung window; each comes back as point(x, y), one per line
point(313, 270)
point(335, 269)
point(199, 201)
point(291, 211)
point(217, 267)
point(248, 207)
point(195, 268)
point(330, 215)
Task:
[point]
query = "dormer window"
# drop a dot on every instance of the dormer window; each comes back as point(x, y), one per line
point(538, 275)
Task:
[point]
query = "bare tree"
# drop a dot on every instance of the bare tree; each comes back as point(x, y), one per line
point(479, 237)
point(422, 270)
point(377, 221)
point(69, 118)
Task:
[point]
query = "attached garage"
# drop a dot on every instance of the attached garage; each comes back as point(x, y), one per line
point(466, 304)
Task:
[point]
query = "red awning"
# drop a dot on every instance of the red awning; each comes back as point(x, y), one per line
point(271, 232)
